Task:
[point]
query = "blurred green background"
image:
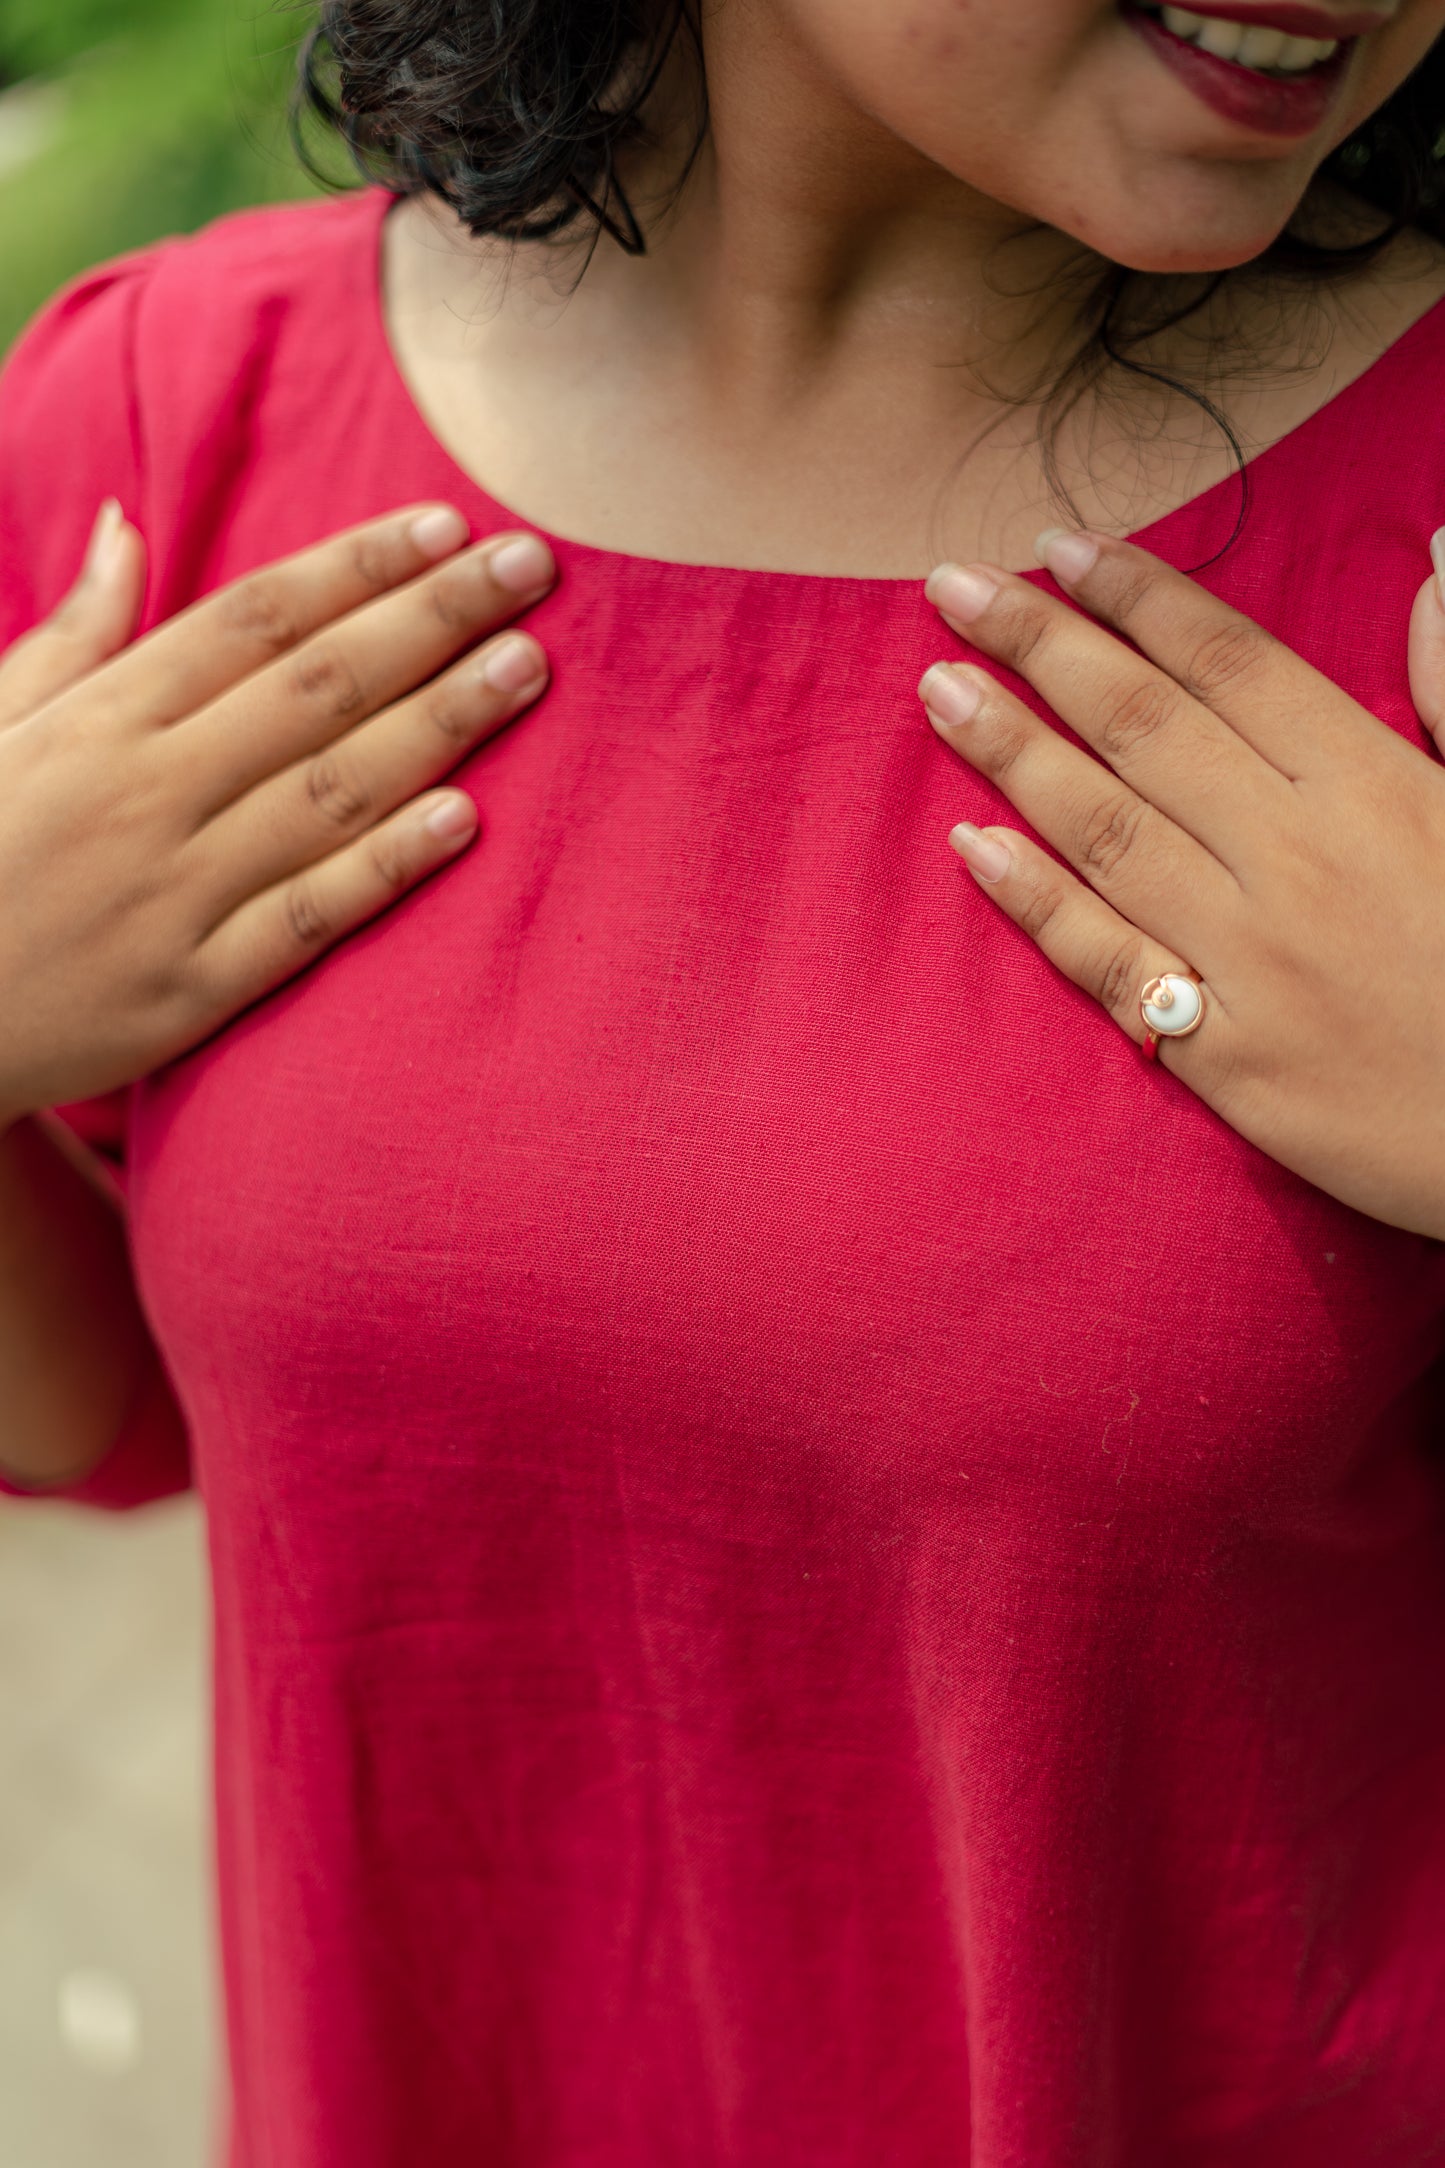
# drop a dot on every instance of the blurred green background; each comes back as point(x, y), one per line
point(124, 119)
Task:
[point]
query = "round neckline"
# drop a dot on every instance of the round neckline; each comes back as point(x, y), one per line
point(1194, 509)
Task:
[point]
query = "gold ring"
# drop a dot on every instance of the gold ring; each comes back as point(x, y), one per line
point(1171, 1006)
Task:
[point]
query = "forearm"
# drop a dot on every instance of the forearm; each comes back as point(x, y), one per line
point(75, 1350)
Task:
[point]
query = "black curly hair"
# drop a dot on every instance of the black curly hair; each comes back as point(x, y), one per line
point(514, 112)
point(518, 113)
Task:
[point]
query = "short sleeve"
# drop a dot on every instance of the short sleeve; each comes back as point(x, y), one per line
point(70, 436)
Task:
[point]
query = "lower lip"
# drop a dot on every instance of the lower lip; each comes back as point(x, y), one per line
point(1267, 104)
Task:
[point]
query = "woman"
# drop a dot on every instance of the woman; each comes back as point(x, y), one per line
point(814, 1560)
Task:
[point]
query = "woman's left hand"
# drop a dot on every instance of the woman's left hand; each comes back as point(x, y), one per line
point(1253, 825)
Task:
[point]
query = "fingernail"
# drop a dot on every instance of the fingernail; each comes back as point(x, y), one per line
point(523, 566)
point(1437, 559)
point(438, 532)
point(102, 552)
point(512, 664)
point(959, 594)
point(980, 853)
point(452, 819)
point(1067, 555)
point(948, 696)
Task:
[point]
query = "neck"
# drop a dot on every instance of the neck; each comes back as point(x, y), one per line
point(810, 240)
point(812, 366)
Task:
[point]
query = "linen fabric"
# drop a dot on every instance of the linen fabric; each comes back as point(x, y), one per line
point(815, 1566)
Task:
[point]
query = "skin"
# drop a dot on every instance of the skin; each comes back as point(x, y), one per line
point(859, 246)
point(1253, 822)
point(872, 254)
point(1055, 109)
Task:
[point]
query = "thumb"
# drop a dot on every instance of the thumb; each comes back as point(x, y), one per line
point(90, 624)
point(1427, 646)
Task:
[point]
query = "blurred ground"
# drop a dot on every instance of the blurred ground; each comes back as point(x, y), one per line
point(106, 1996)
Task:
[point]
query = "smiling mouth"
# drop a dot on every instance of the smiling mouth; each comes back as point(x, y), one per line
point(1258, 47)
point(1273, 70)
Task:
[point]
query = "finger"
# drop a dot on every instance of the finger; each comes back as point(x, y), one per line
point(1179, 755)
point(197, 654)
point(1290, 713)
point(93, 621)
point(351, 670)
point(302, 814)
point(1089, 942)
point(1126, 849)
point(278, 933)
point(1427, 648)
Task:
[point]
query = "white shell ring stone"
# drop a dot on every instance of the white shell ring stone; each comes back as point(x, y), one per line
point(1172, 1005)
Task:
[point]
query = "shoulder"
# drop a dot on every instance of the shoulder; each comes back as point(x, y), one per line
point(188, 308)
point(1387, 443)
point(1387, 330)
point(1341, 376)
point(253, 266)
point(190, 293)
point(144, 370)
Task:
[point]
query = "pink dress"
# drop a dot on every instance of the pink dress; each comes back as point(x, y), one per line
point(815, 1566)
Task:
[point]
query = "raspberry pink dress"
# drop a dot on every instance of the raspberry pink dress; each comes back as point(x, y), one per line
point(815, 1566)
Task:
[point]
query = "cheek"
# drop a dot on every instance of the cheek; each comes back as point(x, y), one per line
point(941, 33)
point(929, 37)
point(1393, 54)
point(974, 84)
point(903, 57)
point(1051, 108)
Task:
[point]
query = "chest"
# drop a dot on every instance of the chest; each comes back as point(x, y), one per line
point(706, 1118)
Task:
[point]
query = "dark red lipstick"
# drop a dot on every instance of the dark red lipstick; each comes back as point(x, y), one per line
point(1275, 105)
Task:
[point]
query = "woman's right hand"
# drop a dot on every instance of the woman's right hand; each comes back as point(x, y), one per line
point(188, 821)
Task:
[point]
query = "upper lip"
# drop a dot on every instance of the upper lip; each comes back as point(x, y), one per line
point(1297, 22)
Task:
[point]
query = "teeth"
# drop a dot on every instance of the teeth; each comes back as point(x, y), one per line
point(1302, 52)
point(1222, 38)
point(1252, 46)
point(1262, 48)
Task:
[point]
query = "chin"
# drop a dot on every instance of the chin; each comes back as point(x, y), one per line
point(1164, 255)
point(1201, 238)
